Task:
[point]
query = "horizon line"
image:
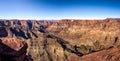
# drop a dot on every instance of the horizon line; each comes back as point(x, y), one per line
point(61, 19)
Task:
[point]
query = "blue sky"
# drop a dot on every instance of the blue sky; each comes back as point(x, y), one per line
point(59, 9)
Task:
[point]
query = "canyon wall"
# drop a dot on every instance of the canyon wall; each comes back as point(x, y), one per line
point(65, 40)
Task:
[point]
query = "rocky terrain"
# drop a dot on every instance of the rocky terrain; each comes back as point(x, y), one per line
point(12, 49)
point(66, 40)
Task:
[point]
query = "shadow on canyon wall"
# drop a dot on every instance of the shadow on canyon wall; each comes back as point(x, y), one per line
point(64, 44)
point(3, 32)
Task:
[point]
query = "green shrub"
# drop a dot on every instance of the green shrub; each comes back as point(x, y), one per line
point(84, 49)
point(97, 46)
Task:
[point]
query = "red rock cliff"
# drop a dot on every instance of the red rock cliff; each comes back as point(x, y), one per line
point(12, 49)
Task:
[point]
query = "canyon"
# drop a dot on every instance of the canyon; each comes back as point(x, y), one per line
point(60, 40)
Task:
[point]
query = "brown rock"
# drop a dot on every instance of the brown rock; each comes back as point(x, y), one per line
point(70, 35)
point(12, 49)
point(112, 54)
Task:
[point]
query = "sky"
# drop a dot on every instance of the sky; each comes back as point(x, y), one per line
point(59, 9)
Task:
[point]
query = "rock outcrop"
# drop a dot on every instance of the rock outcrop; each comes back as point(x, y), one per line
point(12, 49)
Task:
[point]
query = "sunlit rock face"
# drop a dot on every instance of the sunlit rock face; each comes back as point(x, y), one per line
point(65, 40)
point(87, 31)
point(12, 49)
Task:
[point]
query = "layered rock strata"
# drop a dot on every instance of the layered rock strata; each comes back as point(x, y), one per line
point(66, 40)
